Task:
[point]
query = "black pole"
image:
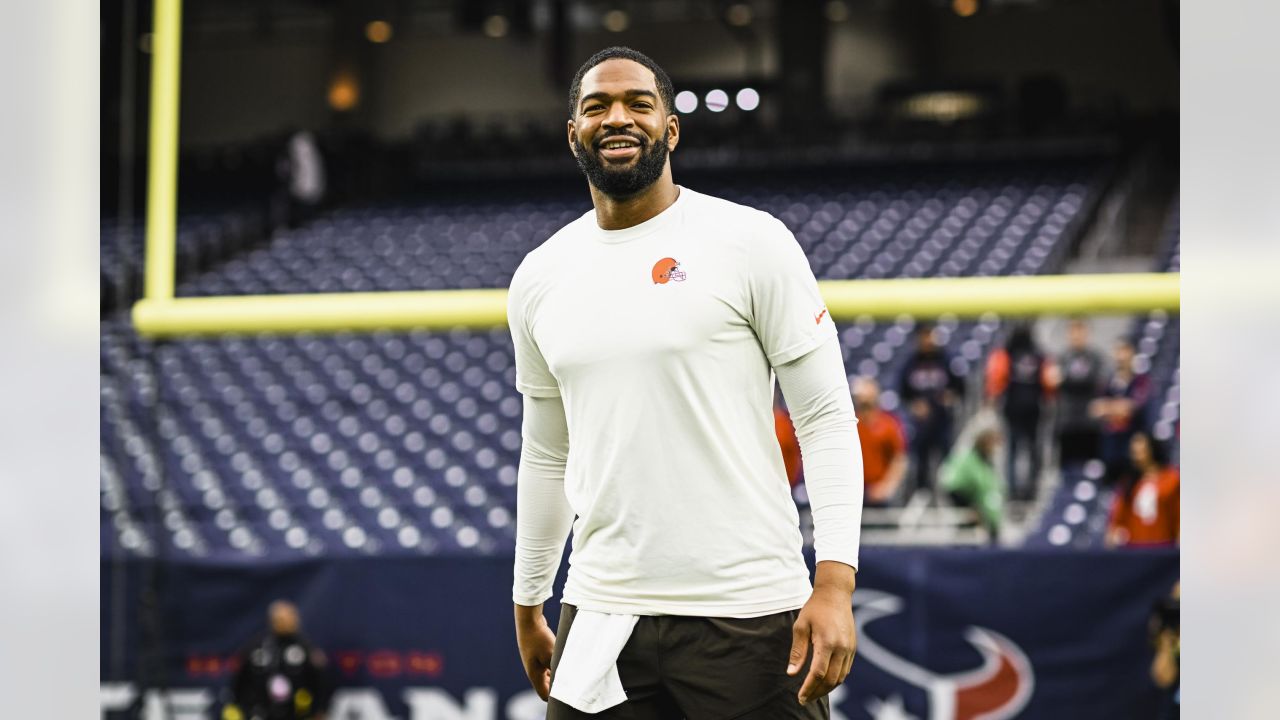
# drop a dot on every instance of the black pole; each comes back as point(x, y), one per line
point(153, 648)
point(559, 46)
point(802, 48)
point(124, 230)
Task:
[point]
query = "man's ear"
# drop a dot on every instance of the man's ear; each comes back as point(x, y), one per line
point(673, 131)
point(573, 135)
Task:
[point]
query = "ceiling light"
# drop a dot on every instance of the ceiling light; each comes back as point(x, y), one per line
point(616, 20)
point(378, 31)
point(739, 15)
point(344, 92)
point(717, 100)
point(496, 26)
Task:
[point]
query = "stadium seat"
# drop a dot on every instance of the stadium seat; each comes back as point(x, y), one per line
point(407, 442)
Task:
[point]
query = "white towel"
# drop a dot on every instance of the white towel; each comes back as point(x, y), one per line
point(587, 676)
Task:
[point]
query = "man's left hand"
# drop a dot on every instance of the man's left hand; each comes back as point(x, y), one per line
point(826, 623)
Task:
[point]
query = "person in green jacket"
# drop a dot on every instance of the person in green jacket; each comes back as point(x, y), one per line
point(971, 478)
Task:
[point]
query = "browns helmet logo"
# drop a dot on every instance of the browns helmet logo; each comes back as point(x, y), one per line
point(665, 270)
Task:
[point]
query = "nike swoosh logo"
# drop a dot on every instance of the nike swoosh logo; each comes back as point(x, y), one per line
point(818, 319)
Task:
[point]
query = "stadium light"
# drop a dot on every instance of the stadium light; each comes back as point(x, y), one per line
point(378, 31)
point(943, 106)
point(495, 26)
point(739, 15)
point(717, 100)
point(965, 8)
point(748, 99)
point(616, 20)
point(344, 92)
point(686, 101)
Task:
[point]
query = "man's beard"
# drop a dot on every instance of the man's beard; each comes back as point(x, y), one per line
point(621, 183)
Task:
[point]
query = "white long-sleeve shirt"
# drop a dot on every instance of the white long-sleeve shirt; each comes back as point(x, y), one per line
point(647, 357)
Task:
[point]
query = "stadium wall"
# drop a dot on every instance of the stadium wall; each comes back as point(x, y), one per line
point(944, 633)
point(1111, 55)
point(1104, 52)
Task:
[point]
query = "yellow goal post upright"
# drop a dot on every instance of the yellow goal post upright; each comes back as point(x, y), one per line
point(160, 314)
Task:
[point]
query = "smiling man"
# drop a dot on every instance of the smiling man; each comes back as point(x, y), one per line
point(647, 336)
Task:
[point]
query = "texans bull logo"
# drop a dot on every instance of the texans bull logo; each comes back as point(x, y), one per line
point(998, 689)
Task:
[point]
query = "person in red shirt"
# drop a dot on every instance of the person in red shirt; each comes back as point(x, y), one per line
point(1147, 512)
point(884, 446)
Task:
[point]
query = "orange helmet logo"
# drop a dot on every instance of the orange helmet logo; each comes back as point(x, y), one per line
point(667, 269)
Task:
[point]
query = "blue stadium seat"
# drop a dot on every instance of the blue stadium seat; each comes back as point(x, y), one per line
point(407, 442)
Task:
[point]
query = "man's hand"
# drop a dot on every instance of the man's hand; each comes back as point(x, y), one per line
point(536, 642)
point(826, 622)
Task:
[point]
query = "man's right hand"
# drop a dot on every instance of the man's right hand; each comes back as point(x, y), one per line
point(536, 642)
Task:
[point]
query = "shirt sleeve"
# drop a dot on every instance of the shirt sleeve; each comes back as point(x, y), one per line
point(817, 393)
point(788, 313)
point(543, 515)
point(533, 377)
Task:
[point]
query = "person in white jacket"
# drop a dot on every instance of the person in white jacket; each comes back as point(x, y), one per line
point(647, 336)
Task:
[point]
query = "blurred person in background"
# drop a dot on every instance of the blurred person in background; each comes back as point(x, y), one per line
point(1119, 412)
point(302, 188)
point(1147, 510)
point(930, 390)
point(970, 477)
point(1165, 627)
point(647, 383)
point(1018, 380)
point(884, 445)
point(281, 676)
point(1077, 378)
point(787, 442)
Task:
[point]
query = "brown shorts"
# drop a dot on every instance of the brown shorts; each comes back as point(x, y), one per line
point(701, 668)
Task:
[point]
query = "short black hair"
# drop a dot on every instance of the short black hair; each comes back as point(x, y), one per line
point(665, 90)
point(1160, 450)
point(1020, 338)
